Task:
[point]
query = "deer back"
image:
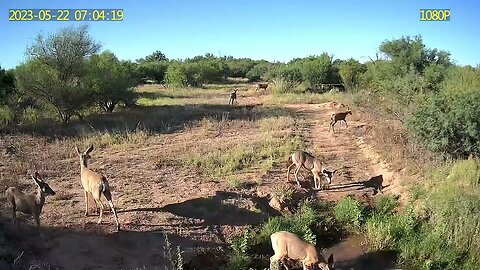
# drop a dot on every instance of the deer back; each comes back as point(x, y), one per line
point(294, 247)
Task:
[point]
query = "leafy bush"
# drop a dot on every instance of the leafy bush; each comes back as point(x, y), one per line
point(110, 80)
point(175, 76)
point(449, 122)
point(258, 71)
point(446, 237)
point(351, 71)
point(349, 211)
point(385, 205)
point(153, 70)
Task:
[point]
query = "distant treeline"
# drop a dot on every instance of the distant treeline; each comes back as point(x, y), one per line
point(67, 74)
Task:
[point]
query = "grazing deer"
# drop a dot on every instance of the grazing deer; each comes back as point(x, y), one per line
point(95, 184)
point(287, 245)
point(261, 86)
point(303, 159)
point(233, 97)
point(339, 116)
point(30, 204)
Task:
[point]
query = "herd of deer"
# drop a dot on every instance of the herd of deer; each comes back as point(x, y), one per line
point(285, 245)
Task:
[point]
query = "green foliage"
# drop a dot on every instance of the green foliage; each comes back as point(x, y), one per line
point(447, 235)
point(303, 223)
point(258, 71)
point(48, 86)
point(349, 211)
point(54, 73)
point(110, 80)
point(175, 76)
point(407, 52)
point(351, 72)
point(153, 71)
point(174, 257)
point(240, 67)
point(7, 85)
point(449, 122)
point(316, 69)
point(156, 56)
point(385, 205)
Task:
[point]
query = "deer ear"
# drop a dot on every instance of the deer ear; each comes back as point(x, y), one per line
point(331, 263)
point(35, 180)
point(89, 149)
point(78, 150)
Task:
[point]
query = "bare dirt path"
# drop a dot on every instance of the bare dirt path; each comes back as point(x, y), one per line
point(361, 172)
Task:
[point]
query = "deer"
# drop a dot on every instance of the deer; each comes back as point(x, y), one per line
point(30, 204)
point(96, 185)
point(306, 160)
point(261, 86)
point(338, 117)
point(233, 97)
point(287, 245)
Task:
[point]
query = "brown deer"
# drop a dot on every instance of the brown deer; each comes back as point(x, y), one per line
point(30, 204)
point(95, 184)
point(287, 245)
point(233, 97)
point(306, 160)
point(261, 86)
point(338, 117)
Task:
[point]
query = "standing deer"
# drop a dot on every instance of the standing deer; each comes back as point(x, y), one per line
point(233, 97)
point(95, 184)
point(339, 116)
point(287, 245)
point(30, 204)
point(303, 159)
point(261, 86)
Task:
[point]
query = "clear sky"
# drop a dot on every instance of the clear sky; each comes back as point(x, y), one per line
point(260, 29)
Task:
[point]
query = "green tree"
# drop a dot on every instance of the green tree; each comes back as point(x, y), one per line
point(7, 85)
point(176, 75)
point(54, 72)
point(156, 56)
point(153, 70)
point(111, 81)
point(351, 72)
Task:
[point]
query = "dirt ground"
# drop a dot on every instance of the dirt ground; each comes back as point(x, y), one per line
point(155, 196)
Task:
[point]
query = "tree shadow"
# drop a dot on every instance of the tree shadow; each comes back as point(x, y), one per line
point(220, 209)
point(154, 119)
point(71, 248)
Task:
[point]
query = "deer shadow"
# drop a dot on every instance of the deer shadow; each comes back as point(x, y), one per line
point(375, 183)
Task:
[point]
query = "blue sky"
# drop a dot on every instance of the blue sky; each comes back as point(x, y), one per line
point(260, 29)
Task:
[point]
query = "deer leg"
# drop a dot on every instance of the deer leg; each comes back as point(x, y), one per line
point(288, 171)
point(296, 175)
point(86, 203)
point(110, 202)
point(37, 220)
point(346, 123)
point(99, 203)
point(14, 212)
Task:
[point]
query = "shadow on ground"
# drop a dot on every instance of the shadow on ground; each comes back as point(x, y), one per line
point(155, 119)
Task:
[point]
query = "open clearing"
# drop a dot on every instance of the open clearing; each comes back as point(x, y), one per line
point(159, 187)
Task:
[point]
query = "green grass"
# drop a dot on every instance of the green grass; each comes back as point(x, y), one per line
point(445, 234)
point(349, 211)
point(252, 249)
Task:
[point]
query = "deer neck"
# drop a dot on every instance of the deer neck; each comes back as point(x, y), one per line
point(40, 198)
point(83, 165)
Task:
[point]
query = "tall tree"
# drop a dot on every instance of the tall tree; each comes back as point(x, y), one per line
point(54, 72)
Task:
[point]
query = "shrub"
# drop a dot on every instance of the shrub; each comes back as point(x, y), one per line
point(349, 211)
point(175, 76)
point(111, 81)
point(385, 205)
point(449, 122)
